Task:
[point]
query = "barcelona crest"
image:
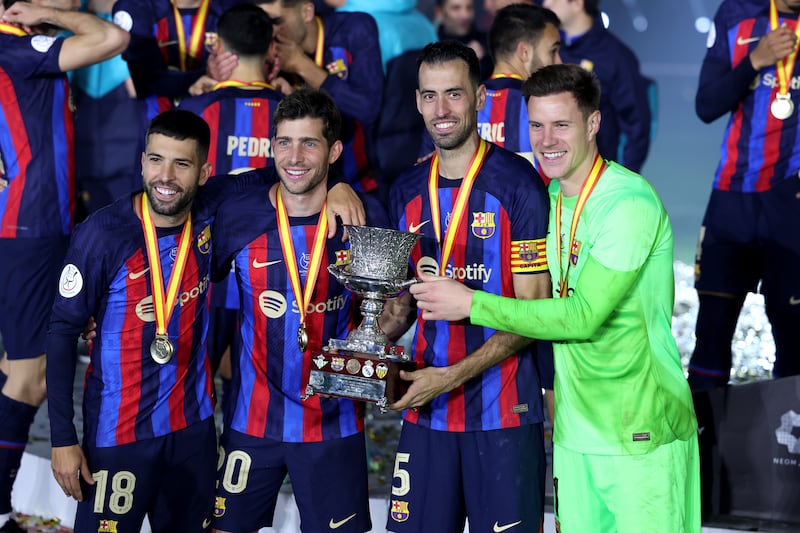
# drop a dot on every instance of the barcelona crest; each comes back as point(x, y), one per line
point(483, 224)
point(204, 240)
point(399, 511)
point(575, 252)
point(219, 506)
point(342, 257)
point(341, 58)
point(528, 251)
point(107, 526)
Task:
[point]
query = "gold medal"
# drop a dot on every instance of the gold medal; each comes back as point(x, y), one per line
point(782, 107)
point(302, 338)
point(161, 349)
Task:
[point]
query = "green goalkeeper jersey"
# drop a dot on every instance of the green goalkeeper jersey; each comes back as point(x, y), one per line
point(619, 384)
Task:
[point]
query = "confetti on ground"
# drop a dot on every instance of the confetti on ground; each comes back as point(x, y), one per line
point(36, 524)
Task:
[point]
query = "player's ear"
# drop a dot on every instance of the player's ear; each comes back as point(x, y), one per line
point(205, 173)
point(335, 152)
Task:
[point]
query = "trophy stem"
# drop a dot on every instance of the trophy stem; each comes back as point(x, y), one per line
point(369, 328)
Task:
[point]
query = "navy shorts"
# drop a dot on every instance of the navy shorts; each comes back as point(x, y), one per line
point(752, 237)
point(30, 269)
point(170, 479)
point(494, 478)
point(329, 481)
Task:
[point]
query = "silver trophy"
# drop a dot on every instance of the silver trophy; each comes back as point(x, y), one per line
point(366, 366)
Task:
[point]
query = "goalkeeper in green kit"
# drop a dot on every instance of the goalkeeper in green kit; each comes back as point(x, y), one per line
point(625, 455)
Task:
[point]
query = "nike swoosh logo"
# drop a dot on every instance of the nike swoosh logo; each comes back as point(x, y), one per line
point(499, 529)
point(340, 523)
point(794, 301)
point(137, 275)
point(741, 41)
point(258, 264)
point(413, 229)
point(206, 523)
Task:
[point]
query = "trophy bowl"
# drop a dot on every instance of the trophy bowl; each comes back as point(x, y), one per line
point(366, 366)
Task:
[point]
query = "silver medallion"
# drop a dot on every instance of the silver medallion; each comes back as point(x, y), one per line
point(162, 349)
point(302, 338)
point(782, 107)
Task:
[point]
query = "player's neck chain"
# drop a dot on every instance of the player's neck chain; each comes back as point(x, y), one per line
point(586, 190)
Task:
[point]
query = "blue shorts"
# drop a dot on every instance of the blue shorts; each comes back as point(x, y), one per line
point(747, 237)
point(329, 481)
point(170, 479)
point(30, 269)
point(494, 478)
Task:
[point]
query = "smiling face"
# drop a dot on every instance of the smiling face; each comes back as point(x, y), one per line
point(302, 155)
point(448, 102)
point(562, 138)
point(172, 171)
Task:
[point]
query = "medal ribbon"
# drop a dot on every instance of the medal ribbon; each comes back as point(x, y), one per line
point(586, 189)
point(12, 30)
point(461, 201)
point(236, 83)
point(785, 66)
point(162, 305)
point(503, 75)
point(197, 37)
point(319, 53)
point(302, 296)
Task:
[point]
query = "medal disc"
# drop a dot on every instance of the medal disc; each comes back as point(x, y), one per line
point(782, 107)
point(161, 349)
point(302, 338)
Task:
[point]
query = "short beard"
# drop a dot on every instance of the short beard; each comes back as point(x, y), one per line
point(183, 204)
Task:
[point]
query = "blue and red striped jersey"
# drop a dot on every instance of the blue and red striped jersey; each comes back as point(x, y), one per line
point(352, 58)
point(240, 120)
point(241, 128)
point(758, 150)
point(504, 118)
point(502, 234)
point(128, 397)
point(272, 371)
point(36, 138)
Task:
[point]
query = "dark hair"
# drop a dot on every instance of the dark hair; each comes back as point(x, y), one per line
point(181, 124)
point(311, 103)
point(246, 30)
point(516, 23)
point(9, 3)
point(592, 7)
point(284, 3)
point(573, 79)
point(444, 51)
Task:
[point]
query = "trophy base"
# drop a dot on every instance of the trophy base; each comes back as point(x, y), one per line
point(358, 376)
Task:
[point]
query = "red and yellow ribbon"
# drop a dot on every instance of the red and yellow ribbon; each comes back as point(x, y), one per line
point(504, 75)
point(236, 83)
point(164, 304)
point(462, 198)
point(785, 66)
point(12, 30)
point(301, 295)
point(319, 53)
point(586, 189)
point(197, 36)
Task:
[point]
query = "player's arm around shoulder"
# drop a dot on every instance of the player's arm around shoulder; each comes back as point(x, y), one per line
point(93, 38)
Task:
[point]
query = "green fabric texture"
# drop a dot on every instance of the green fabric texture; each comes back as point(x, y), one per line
point(619, 384)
